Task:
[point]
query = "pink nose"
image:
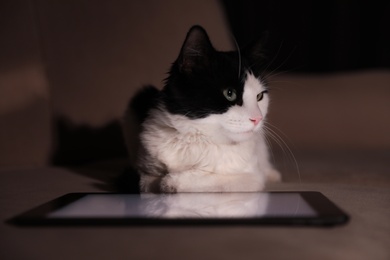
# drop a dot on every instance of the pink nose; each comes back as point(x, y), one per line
point(256, 120)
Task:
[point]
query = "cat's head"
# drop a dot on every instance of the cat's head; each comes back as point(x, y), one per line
point(222, 91)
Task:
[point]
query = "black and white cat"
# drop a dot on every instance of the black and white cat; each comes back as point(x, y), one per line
point(203, 132)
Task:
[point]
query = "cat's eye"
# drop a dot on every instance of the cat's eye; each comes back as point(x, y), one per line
point(230, 94)
point(261, 95)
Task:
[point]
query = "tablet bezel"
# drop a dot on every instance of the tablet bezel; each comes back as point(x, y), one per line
point(328, 215)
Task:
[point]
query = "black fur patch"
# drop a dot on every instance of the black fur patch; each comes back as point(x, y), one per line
point(143, 101)
point(200, 74)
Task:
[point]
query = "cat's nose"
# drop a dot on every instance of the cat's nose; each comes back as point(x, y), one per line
point(256, 120)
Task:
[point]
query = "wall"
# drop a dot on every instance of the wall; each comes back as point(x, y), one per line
point(70, 67)
point(25, 131)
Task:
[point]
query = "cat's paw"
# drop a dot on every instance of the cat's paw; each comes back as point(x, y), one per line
point(168, 185)
point(273, 175)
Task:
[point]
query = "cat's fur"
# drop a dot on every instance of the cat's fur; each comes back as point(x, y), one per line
point(203, 131)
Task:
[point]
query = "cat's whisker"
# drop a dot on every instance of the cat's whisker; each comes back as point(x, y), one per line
point(292, 156)
point(271, 74)
point(268, 143)
point(239, 56)
point(274, 58)
point(269, 134)
point(279, 140)
point(265, 74)
point(269, 87)
point(285, 82)
point(268, 125)
point(274, 74)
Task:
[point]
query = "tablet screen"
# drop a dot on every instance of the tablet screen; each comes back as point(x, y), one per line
point(188, 205)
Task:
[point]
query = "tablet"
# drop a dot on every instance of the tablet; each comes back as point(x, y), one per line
point(266, 208)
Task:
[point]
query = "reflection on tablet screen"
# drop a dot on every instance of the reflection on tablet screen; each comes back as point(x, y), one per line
point(187, 205)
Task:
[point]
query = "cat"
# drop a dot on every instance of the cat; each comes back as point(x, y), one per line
point(203, 132)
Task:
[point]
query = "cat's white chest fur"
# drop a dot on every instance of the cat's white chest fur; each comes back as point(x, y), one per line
point(194, 150)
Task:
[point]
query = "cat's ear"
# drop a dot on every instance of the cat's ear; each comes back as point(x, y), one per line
point(196, 49)
point(255, 51)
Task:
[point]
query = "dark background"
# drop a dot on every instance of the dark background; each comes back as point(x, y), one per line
point(316, 36)
point(69, 67)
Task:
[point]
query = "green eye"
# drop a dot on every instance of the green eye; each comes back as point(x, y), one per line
point(230, 94)
point(261, 95)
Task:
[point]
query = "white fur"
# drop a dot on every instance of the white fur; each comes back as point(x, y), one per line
point(222, 152)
